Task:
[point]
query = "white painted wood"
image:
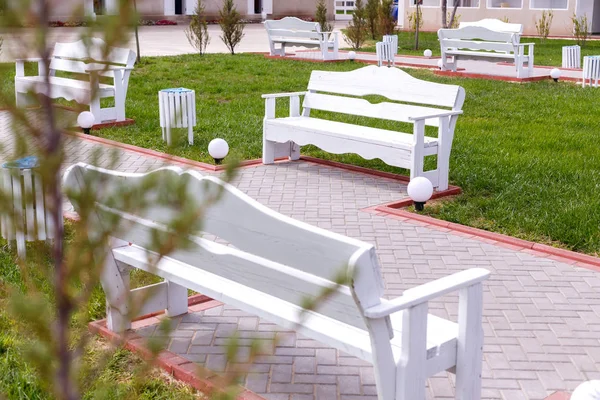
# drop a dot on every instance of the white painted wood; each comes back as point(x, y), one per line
point(29, 204)
point(571, 56)
point(89, 61)
point(177, 110)
point(294, 31)
point(591, 71)
point(385, 54)
point(486, 39)
point(40, 209)
point(328, 91)
point(393, 40)
point(273, 263)
point(470, 343)
point(149, 299)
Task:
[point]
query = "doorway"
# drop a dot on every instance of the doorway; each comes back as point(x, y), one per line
point(178, 7)
point(257, 6)
point(99, 7)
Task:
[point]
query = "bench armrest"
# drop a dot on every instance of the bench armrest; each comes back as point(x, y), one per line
point(428, 291)
point(34, 59)
point(278, 95)
point(20, 66)
point(525, 44)
point(436, 115)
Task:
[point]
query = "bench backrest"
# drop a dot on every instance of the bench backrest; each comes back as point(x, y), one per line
point(74, 56)
point(495, 25)
point(477, 38)
point(293, 27)
point(325, 87)
point(268, 251)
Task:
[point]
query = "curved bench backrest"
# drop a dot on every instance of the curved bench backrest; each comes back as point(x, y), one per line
point(266, 251)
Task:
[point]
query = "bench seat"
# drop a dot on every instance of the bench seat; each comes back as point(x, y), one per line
point(324, 130)
point(441, 335)
point(70, 89)
point(477, 54)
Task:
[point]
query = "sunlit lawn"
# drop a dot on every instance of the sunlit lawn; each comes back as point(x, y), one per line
point(526, 156)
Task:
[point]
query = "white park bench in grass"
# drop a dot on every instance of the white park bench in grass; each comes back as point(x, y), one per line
point(472, 42)
point(86, 68)
point(295, 32)
point(273, 264)
point(328, 91)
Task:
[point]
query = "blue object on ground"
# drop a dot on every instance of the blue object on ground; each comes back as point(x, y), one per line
point(23, 163)
point(395, 10)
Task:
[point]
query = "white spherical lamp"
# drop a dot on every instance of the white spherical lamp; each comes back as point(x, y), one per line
point(218, 149)
point(352, 55)
point(86, 120)
point(589, 390)
point(440, 63)
point(420, 190)
point(555, 74)
point(427, 53)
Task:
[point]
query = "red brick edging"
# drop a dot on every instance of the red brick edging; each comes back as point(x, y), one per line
point(178, 367)
point(537, 249)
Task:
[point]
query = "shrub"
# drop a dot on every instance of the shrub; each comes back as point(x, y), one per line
point(581, 28)
point(412, 20)
point(453, 23)
point(165, 22)
point(231, 25)
point(387, 24)
point(372, 10)
point(321, 17)
point(543, 24)
point(356, 31)
point(505, 19)
point(197, 32)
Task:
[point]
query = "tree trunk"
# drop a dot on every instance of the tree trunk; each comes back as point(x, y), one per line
point(137, 38)
point(417, 21)
point(456, 2)
point(444, 13)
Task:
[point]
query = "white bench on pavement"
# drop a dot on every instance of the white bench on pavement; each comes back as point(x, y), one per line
point(282, 137)
point(404, 343)
point(296, 32)
point(473, 42)
point(93, 64)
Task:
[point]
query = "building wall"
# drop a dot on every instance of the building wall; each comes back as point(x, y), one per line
point(561, 24)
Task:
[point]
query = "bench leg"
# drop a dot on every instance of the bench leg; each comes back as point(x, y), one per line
point(410, 383)
point(268, 156)
point(116, 321)
point(120, 107)
point(95, 109)
point(470, 343)
point(294, 151)
point(24, 99)
point(177, 300)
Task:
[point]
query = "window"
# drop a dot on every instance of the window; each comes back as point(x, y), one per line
point(467, 4)
point(427, 3)
point(550, 4)
point(505, 4)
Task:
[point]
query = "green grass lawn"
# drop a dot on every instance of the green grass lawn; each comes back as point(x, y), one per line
point(525, 155)
point(548, 52)
point(114, 380)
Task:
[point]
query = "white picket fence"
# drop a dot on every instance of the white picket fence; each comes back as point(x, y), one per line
point(571, 57)
point(385, 54)
point(591, 71)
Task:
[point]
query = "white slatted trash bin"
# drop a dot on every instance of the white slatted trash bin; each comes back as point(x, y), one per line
point(591, 71)
point(177, 107)
point(28, 220)
point(571, 57)
point(385, 54)
point(393, 39)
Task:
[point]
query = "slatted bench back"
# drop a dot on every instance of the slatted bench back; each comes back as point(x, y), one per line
point(293, 27)
point(268, 252)
point(495, 25)
point(477, 38)
point(75, 56)
point(325, 88)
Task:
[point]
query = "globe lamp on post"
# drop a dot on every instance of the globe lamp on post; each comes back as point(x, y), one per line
point(86, 120)
point(420, 190)
point(218, 149)
point(428, 53)
point(352, 55)
point(555, 74)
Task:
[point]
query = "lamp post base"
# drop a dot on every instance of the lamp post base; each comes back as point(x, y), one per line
point(419, 205)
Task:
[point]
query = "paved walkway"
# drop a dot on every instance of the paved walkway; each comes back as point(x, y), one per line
point(541, 317)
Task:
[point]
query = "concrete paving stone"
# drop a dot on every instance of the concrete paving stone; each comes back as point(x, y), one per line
point(541, 316)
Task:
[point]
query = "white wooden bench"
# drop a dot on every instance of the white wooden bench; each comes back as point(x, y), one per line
point(273, 264)
point(296, 32)
point(76, 73)
point(283, 136)
point(478, 42)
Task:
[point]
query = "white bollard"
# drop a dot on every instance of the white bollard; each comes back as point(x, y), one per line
point(591, 70)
